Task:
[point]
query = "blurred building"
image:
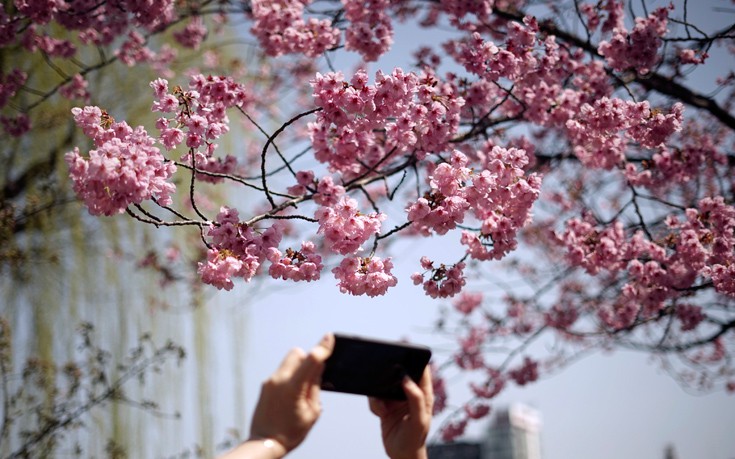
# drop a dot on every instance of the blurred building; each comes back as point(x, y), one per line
point(514, 433)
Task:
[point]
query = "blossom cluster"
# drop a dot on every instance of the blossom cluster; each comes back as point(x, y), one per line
point(237, 250)
point(609, 14)
point(637, 49)
point(296, 265)
point(55, 47)
point(470, 354)
point(600, 130)
point(361, 125)
point(369, 276)
point(345, 228)
point(692, 56)
point(584, 109)
point(487, 60)
point(326, 192)
point(458, 9)
point(501, 197)
point(10, 84)
point(492, 386)
point(198, 117)
point(124, 26)
point(440, 389)
point(219, 269)
point(706, 242)
point(133, 50)
point(107, 21)
point(526, 373)
point(538, 69)
point(193, 34)
point(467, 302)
point(561, 315)
point(443, 281)
point(17, 125)
point(97, 23)
point(14, 125)
point(672, 165)
point(75, 89)
point(594, 249)
point(444, 206)
point(280, 28)
point(304, 182)
point(370, 31)
point(125, 167)
point(704, 249)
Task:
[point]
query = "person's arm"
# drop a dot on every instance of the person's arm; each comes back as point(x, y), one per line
point(288, 405)
point(257, 449)
point(404, 425)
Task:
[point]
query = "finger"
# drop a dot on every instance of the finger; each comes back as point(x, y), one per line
point(427, 387)
point(415, 397)
point(377, 406)
point(314, 395)
point(312, 366)
point(323, 349)
point(290, 364)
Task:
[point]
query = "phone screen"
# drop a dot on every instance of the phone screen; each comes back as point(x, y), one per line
point(373, 367)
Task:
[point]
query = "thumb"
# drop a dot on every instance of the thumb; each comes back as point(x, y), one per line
point(311, 368)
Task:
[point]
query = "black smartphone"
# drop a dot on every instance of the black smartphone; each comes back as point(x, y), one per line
point(373, 367)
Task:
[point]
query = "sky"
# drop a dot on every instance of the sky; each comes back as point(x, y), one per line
point(606, 406)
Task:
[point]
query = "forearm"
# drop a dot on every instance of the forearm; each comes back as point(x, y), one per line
point(257, 449)
point(419, 454)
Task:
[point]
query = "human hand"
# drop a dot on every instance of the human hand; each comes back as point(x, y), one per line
point(405, 424)
point(289, 400)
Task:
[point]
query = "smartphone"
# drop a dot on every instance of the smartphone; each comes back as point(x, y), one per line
point(373, 367)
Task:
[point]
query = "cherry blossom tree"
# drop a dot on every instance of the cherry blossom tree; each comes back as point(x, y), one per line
point(565, 140)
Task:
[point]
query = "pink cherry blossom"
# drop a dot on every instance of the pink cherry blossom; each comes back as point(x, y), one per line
point(219, 269)
point(345, 228)
point(365, 276)
point(637, 49)
point(442, 281)
point(281, 28)
point(125, 167)
point(526, 373)
point(301, 265)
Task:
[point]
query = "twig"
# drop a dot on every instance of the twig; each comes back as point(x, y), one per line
point(267, 144)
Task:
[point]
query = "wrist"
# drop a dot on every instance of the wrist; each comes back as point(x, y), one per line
point(418, 454)
point(257, 448)
point(270, 446)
